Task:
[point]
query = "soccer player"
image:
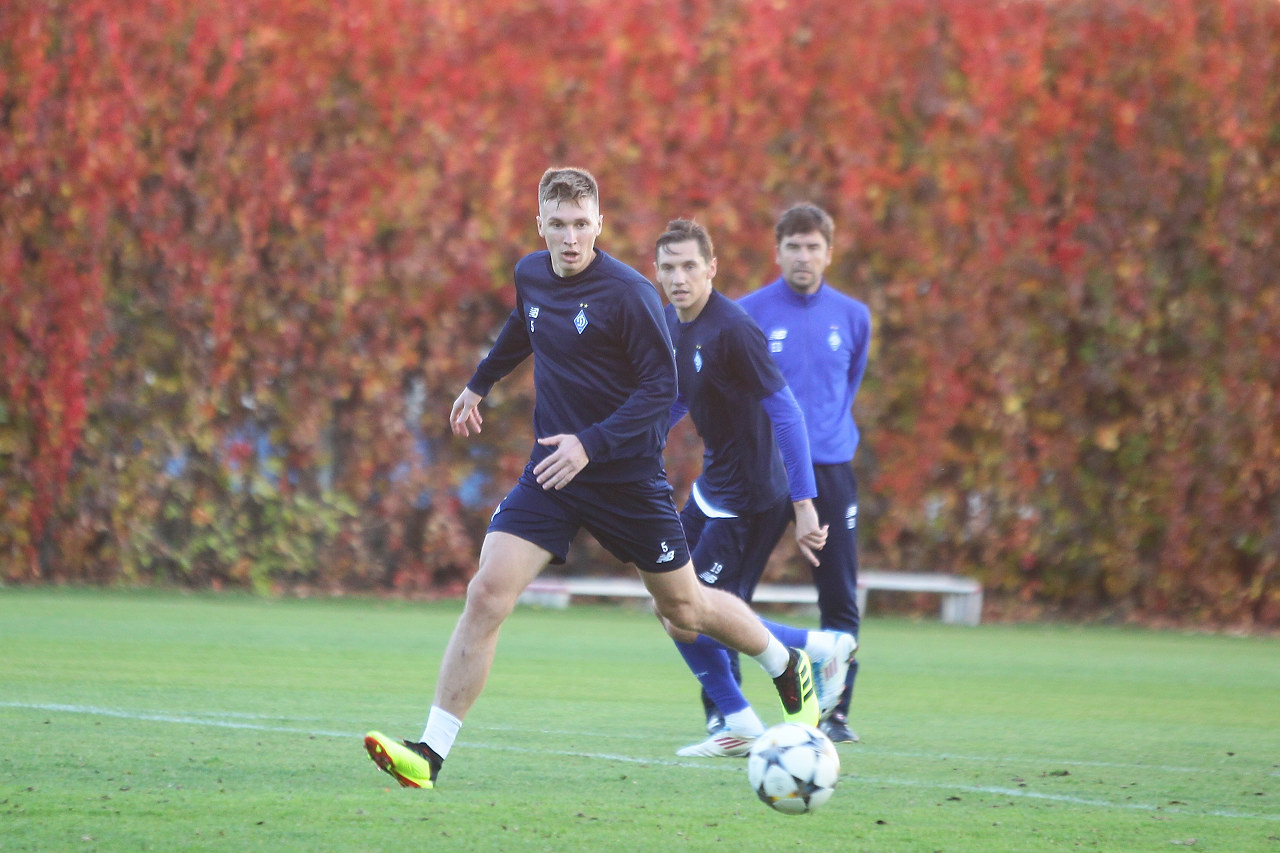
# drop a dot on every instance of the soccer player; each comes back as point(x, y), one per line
point(819, 338)
point(756, 475)
point(605, 381)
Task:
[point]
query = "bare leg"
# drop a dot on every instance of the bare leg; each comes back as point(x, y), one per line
point(688, 608)
point(507, 565)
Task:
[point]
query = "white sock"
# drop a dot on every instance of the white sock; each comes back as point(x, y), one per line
point(774, 658)
point(820, 644)
point(441, 731)
point(745, 722)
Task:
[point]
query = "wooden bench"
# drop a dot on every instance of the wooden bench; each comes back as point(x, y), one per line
point(961, 596)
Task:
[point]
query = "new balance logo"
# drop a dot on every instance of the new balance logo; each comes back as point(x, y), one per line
point(711, 575)
point(667, 555)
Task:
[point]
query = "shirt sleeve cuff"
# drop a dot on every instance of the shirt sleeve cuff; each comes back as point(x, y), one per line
point(592, 442)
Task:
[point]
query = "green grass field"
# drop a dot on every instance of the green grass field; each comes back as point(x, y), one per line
point(161, 721)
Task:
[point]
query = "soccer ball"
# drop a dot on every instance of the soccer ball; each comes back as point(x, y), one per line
point(793, 768)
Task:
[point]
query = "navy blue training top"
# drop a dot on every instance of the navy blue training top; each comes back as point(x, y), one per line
point(603, 367)
point(728, 382)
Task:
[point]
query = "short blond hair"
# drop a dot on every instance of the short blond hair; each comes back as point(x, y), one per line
point(568, 183)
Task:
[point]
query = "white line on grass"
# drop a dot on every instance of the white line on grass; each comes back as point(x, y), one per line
point(193, 720)
point(217, 720)
point(933, 756)
point(1064, 798)
point(1004, 759)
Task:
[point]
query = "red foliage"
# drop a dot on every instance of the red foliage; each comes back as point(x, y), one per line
point(291, 225)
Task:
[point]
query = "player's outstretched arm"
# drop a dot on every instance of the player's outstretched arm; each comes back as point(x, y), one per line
point(465, 416)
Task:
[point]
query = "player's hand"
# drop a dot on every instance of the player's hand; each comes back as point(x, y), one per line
point(465, 416)
point(810, 535)
point(559, 469)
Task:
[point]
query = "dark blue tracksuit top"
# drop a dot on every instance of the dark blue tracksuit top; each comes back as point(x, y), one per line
point(603, 367)
point(742, 409)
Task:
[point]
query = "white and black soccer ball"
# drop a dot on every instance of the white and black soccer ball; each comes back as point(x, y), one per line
point(793, 768)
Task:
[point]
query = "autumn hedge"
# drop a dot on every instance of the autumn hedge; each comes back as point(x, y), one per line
point(250, 252)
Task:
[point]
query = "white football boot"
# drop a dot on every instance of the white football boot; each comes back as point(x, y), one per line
point(829, 671)
point(725, 743)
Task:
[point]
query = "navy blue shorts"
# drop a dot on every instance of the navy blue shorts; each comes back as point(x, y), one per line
point(731, 553)
point(635, 522)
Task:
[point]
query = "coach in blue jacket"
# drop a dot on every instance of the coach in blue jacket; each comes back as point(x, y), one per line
point(819, 338)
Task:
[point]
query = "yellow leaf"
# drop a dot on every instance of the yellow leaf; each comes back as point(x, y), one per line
point(1107, 437)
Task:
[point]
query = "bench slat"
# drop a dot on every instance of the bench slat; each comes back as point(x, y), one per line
point(961, 596)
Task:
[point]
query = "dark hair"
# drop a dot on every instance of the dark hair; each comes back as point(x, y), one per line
point(804, 219)
point(679, 230)
point(567, 183)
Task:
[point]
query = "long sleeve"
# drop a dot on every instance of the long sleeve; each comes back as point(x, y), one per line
point(511, 348)
point(793, 442)
point(645, 338)
point(679, 409)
